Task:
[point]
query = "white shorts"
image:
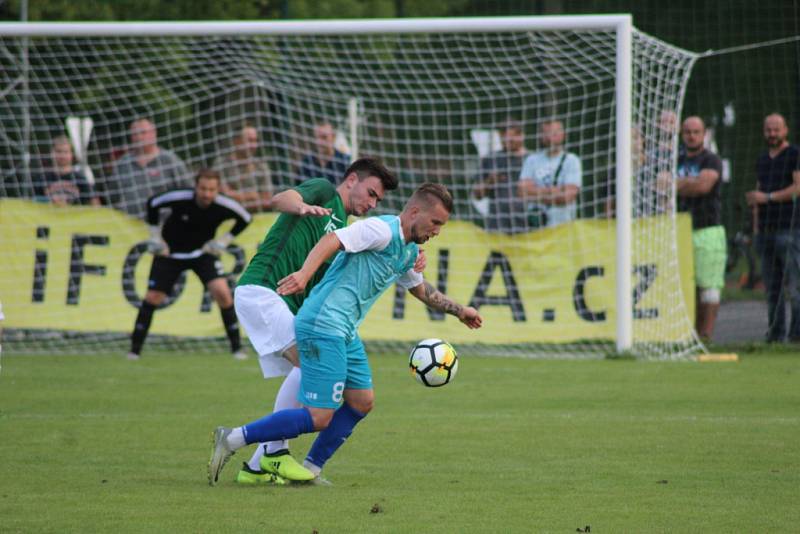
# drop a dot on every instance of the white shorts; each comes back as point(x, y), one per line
point(269, 324)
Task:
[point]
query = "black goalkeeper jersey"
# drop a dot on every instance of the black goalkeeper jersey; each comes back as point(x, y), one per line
point(188, 226)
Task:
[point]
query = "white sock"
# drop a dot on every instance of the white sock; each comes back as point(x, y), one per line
point(255, 461)
point(235, 439)
point(286, 399)
point(313, 468)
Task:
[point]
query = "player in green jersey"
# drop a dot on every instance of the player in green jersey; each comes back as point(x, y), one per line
point(308, 212)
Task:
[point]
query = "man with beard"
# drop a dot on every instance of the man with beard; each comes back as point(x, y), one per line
point(774, 225)
point(551, 179)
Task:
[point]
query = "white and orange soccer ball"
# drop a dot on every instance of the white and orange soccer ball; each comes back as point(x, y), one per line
point(433, 362)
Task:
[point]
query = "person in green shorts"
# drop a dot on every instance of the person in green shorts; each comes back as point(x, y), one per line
point(308, 212)
point(699, 193)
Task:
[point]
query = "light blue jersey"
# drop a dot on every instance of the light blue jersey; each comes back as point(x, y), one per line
point(375, 257)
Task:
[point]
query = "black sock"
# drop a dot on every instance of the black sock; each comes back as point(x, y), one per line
point(231, 327)
point(141, 326)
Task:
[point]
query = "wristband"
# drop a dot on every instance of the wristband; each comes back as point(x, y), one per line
point(769, 197)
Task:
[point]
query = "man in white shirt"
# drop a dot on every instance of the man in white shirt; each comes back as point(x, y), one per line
point(550, 180)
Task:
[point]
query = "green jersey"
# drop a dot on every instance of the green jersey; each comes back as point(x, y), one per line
point(292, 237)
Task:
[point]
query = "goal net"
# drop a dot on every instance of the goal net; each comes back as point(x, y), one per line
point(452, 101)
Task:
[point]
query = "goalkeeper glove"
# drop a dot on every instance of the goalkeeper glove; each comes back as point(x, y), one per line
point(156, 244)
point(217, 246)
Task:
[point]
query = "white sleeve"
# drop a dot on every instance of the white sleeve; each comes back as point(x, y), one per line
point(367, 234)
point(410, 279)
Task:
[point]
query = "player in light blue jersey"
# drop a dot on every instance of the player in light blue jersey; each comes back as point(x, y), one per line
point(336, 385)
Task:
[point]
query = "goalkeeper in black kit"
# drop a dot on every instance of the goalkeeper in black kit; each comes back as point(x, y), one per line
point(187, 241)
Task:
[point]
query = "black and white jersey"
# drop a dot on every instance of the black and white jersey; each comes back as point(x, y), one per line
point(188, 226)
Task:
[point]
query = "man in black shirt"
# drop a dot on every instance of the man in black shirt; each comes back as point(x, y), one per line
point(187, 241)
point(698, 187)
point(776, 228)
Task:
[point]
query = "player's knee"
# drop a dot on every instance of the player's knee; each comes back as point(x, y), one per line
point(155, 298)
point(361, 403)
point(364, 406)
point(221, 295)
point(321, 418)
point(225, 301)
point(709, 296)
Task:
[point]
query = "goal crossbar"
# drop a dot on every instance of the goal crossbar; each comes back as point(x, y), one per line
point(328, 27)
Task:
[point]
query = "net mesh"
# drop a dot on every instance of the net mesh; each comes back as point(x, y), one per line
point(429, 106)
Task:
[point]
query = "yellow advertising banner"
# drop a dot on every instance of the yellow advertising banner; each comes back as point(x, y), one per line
point(85, 269)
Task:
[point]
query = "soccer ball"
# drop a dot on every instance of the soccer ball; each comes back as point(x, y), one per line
point(433, 362)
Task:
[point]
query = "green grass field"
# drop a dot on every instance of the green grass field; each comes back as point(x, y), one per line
point(100, 444)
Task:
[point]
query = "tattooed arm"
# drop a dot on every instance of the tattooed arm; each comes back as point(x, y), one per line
point(439, 301)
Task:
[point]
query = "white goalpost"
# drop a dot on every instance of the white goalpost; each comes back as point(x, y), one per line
point(617, 278)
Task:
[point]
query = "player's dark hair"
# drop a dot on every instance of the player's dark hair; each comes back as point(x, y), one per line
point(208, 174)
point(366, 167)
point(430, 192)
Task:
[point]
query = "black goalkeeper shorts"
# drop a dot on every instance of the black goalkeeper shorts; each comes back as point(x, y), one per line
point(165, 271)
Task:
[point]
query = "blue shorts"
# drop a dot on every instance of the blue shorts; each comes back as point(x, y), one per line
point(329, 365)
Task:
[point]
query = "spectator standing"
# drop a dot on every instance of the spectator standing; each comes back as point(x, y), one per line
point(550, 179)
point(776, 229)
point(245, 176)
point(63, 184)
point(326, 161)
point(145, 170)
point(498, 180)
point(699, 191)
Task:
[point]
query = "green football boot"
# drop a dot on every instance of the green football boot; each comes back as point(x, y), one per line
point(282, 463)
point(249, 477)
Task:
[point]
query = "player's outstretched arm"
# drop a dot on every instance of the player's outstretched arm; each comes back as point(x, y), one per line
point(439, 301)
point(290, 201)
point(324, 249)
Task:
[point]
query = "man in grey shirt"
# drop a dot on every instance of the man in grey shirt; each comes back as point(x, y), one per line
point(145, 170)
point(498, 180)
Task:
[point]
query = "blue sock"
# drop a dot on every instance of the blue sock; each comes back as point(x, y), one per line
point(329, 440)
point(285, 424)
